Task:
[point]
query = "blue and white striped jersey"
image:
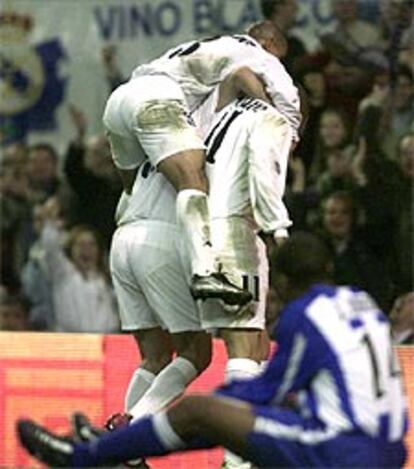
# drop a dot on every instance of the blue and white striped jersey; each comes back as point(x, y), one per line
point(335, 354)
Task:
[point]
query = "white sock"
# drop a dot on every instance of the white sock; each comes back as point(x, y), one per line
point(166, 433)
point(167, 386)
point(193, 219)
point(239, 368)
point(140, 381)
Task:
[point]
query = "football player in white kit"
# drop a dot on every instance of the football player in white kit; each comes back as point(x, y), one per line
point(149, 115)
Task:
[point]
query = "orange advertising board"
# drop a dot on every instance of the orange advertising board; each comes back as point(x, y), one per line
point(48, 376)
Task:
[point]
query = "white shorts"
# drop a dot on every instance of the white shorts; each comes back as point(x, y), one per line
point(148, 117)
point(244, 261)
point(149, 280)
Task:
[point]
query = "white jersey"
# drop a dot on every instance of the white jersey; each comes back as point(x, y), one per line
point(248, 146)
point(152, 198)
point(199, 66)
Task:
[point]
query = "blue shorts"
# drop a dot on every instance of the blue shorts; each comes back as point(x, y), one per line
point(281, 438)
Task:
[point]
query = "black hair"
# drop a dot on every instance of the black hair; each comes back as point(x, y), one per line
point(304, 259)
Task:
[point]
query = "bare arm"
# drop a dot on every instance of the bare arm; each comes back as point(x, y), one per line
point(128, 177)
point(242, 81)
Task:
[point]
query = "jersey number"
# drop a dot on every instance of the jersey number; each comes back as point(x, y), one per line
point(252, 284)
point(181, 50)
point(393, 366)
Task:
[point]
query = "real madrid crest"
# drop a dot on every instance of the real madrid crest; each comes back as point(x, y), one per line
point(22, 78)
point(30, 86)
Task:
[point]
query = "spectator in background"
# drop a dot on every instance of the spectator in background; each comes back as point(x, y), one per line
point(334, 135)
point(14, 210)
point(309, 72)
point(83, 298)
point(282, 13)
point(42, 172)
point(350, 32)
point(403, 230)
point(14, 314)
point(15, 154)
point(398, 110)
point(354, 263)
point(387, 112)
point(402, 319)
point(36, 286)
point(396, 22)
point(92, 176)
point(337, 175)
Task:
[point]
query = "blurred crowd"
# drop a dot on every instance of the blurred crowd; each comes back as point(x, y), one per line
point(350, 180)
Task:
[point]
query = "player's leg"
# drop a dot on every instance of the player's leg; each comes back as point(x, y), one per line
point(244, 257)
point(171, 141)
point(196, 422)
point(130, 260)
point(156, 352)
point(193, 357)
point(244, 353)
point(167, 293)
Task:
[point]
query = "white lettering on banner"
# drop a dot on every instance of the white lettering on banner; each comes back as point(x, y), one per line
point(141, 30)
point(130, 21)
point(229, 16)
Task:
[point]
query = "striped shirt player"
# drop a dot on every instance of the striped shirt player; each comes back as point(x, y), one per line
point(335, 355)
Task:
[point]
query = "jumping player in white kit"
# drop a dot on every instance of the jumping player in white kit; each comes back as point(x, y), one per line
point(149, 115)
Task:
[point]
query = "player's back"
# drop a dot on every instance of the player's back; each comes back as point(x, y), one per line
point(357, 386)
point(152, 198)
point(198, 66)
point(246, 166)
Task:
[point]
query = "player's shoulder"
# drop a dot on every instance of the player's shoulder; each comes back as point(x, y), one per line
point(312, 306)
point(241, 42)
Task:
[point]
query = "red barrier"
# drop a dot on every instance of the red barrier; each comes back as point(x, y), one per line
point(48, 376)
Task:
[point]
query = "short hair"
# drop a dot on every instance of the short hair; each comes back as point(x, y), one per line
point(265, 30)
point(304, 259)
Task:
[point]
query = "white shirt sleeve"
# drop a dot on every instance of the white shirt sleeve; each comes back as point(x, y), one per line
point(269, 146)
